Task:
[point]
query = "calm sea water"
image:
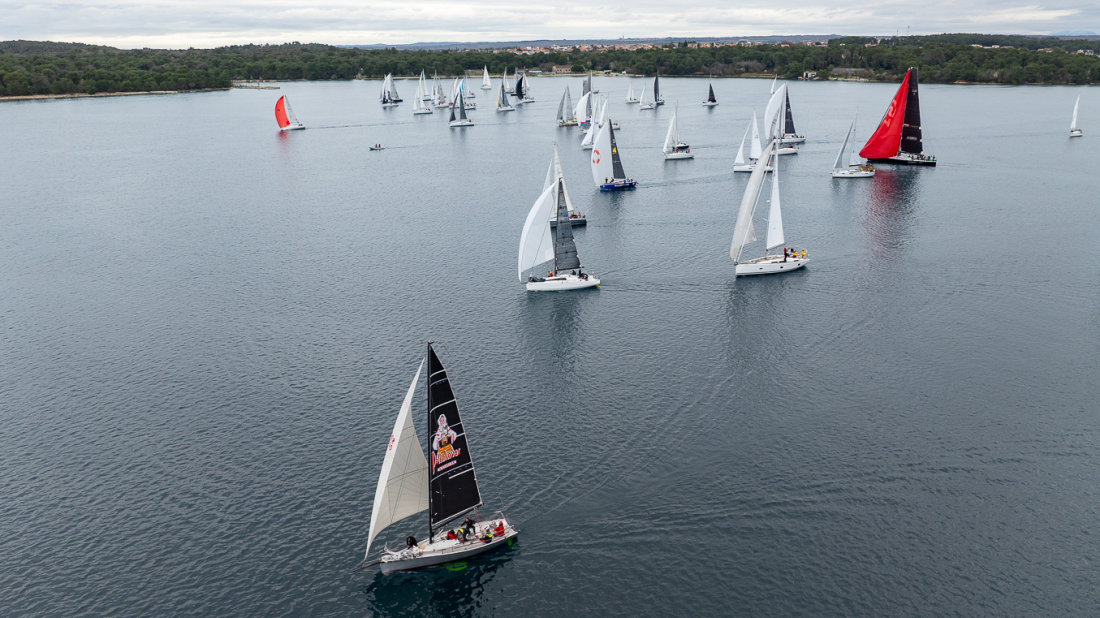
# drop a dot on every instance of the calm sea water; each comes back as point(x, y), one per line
point(208, 326)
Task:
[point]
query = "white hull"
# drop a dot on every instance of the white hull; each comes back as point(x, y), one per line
point(786, 151)
point(389, 105)
point(444, 550)
point(1075, 133)
point(770, 265)
point(462, 123)
point(422, 111)
point(748, 168)
point(293, 127)
point(710, 103)
point(669, 156)
point(486, 87)
point(792, 139)
point(632, 101)
point(853, 172)
point(506, 109)
point(562, 283)
point(647, 106)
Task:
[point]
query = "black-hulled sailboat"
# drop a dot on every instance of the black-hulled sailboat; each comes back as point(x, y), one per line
point(898, 137)
point(607, 168)
point(445, 485)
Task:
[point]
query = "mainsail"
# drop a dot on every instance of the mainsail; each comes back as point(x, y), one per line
point(843, 146)
point(910, 128)
point(789, 130)
point(615, 161)
point(403, 484)
point(710, 97)
point(502, 97)
point(565, 248)
point(671, 137)
point(582, 111)
point(519, 86)
point(1073, 123)
point(452, 483)
point(885, 142)
point(485, 83)
point(743, 231)
point(755, 148)
point(657, 86)
point(740, 160)
point(775, 216)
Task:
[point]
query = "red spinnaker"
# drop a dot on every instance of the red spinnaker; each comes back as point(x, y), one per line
point(886, 138)
point(280, 113)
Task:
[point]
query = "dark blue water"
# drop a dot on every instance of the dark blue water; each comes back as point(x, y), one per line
point(208, 326)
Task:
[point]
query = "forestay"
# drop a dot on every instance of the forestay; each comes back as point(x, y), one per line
point(403, 484)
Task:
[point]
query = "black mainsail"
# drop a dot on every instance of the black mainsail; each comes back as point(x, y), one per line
point(657, 86)
point(789, 129)
point(616, 163)
point(565, 248)
point(519, 85)
point(711, 99)
point(460, 104)
point(911, 141)
point(451, 480)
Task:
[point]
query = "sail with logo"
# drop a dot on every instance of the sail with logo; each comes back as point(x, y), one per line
point(452, 484)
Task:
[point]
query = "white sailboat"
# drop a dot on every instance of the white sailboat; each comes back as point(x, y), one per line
point(552, 175)
point(607, 167)
point(789, 135)
point(674, 148)
point(285, 116)
point(583, 111)
point(743, 230)
point(502, 100)
point(739, 164)
point(711, 101)
point(458, 113)
point(485, 83)
point(630, 98)
point(856, 168)
point(447, 488)
point(1073, 130)
point(419, 107)
point(438, 95)
point(589, 139)
point(387, 96)
point(466, 92)
point(565, 111)
point(458, 91)
point(510, 89)
point(425, 91)
point(646, 104)
point(538, 245)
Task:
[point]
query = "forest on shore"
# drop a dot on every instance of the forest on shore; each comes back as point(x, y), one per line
point(44, 68)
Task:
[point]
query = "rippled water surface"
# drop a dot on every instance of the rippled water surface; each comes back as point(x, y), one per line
point(208, 326)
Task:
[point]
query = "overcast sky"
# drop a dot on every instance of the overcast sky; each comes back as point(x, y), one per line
point(207, 23)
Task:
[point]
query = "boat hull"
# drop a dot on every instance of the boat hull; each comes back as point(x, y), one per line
point(853, 173)
point(462, 123)
point(672, 156)
point(790, 150)
point(1075, 133)
point(563, 283)
point(567, 124)
point(710, 103)
point(749, 168)
point(771, 265)
point(506, 109)
point(573, 222)
point(632, 101)
point(422, 111)
point(618, 186)
point(792, 139)
point(647, 106)
point(905, 160)
point(293, 127)
point(451, 551)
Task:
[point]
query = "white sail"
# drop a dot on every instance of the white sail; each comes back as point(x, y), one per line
point(1073, 123)
point(740, 160)
point(418, 103)
point(630, 95)
point(853, 156)
point(553, 173)
point(670, 137)
point(602, 116)
point(775, 113)
point(502, 98)
point(403, 484)
point(775, 216)
point(773, 83)
point(536, 246)
point(602, 168)
point(385, 87)
point(393, 89)
point(290, 113)
point(590, 135)
point(743, 231)
point(843, 145)
point(642, 100)
point(485, 83)
point(755, 148)
point(580, 111)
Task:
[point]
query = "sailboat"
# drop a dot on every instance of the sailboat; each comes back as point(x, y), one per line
point(511, 90)
point(437, 91)
point(393, 91)
point(466, 92)
point(447, 487)
point(458, 90)
point(586, 87)
point(502, 100)
point(589, 139)
point(518, 91)
point(485, 83)
point(386, 96)
point(630, 98)
point(743, 231)
point(755, 149)
point(552, 174)
point(285, 116)
point(674, 148)
point(565, 111)
point(523, 90)
point(711, 101)
point(856, 167)
point(898, 136)
point(458, 113)
point(583, 111)
point(606, 164)
point(644, 103)
point(789, 136)
point(657, 89)
point(1073, 130)
point(419, 107)
point(537, 245)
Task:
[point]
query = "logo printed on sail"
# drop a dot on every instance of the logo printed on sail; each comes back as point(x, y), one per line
point(442, 444)
point(595, 156)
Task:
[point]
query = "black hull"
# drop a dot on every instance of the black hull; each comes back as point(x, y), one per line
point(905, 161)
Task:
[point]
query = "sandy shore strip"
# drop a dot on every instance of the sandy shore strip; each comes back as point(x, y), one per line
point(36, 97)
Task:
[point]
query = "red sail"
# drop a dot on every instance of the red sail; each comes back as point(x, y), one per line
point(280, 113)
point(886, 138)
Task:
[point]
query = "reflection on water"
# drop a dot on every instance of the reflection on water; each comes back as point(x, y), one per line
point(551, 324)
point(891, 204)
point(456, 589)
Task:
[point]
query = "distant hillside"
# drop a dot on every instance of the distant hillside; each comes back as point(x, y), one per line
point(30, 67)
